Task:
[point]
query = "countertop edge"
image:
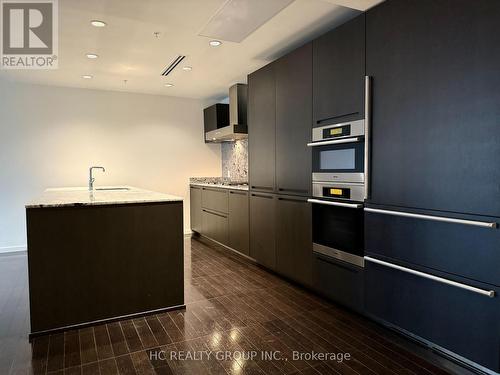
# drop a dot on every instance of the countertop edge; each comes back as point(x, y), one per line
point(77, 204)
point(79, 197)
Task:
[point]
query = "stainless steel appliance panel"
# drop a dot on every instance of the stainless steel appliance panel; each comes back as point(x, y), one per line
point(357, 191)
point(357, 128)
point(339, 254)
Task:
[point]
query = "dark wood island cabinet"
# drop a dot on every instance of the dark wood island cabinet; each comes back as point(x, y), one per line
point(103, 255)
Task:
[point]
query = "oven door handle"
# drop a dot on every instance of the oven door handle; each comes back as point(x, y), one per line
point(334, 141)
point(338, 204)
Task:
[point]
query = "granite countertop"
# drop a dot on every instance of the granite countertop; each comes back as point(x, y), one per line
point(221, 186)
point(102, 195)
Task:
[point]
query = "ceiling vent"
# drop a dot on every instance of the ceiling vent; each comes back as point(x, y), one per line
point(172, 65)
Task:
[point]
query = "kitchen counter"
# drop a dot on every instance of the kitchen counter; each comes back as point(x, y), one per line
point(98, 256)
point(221, 186)
point(105, 195)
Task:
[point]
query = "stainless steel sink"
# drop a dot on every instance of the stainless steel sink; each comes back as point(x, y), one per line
point(113, 188)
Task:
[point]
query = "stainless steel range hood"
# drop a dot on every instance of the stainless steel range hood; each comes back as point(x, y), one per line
point(237, 128)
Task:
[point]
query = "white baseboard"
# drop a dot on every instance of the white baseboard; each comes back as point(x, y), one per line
point(12, 249)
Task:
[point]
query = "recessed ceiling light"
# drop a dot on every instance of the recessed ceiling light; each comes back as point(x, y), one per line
point(215, 43)
point(169, 84)
point(187, 68)
point(87, 76)
point(98, 23)
point(92, 56)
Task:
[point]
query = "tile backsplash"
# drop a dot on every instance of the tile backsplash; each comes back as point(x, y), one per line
point(235, 160)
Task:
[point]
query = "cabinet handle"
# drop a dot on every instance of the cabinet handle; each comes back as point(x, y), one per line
point(339, 204)
point(482, 224)
point(262, 196)
point(237, 192)
point(368, 124)
point(293, 200)
point(487, 293)
point(214, 213)
point(294, 190)
point(334, 119)
point(218, 190)
point(262, 187)
point(335, 141)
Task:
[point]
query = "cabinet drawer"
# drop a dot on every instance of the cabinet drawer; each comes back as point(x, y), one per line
point(462, 321)
point(215, 200)
point(215, 226)
point(339, 281)
point(466, 250)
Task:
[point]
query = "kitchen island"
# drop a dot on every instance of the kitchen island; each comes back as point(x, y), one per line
point(101, 255)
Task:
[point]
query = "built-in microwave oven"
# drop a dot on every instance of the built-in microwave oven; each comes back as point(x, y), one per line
point(338, 161)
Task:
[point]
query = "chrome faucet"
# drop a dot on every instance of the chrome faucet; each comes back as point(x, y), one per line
point(92, 179)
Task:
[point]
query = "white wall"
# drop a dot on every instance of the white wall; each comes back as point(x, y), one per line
point(49, 136)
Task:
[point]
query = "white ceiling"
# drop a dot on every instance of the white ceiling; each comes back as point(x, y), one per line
point(128, 49)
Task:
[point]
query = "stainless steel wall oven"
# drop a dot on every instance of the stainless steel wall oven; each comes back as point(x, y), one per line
point(340, 166)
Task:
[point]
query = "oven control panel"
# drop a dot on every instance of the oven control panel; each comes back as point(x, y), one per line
point(336, 192)
point(344, 191)
point(337, 131)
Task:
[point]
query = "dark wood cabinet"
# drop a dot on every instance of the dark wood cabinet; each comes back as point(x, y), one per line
point(216, 116)
point(262, 129)
point(239, 221)
point(294, 238)
point(263, 229)
point(459, 320)
point(89, 263)
point(436, 95)
point(215, 226)
point(222, 215)
point(195, 208)
point(338, 74)
point(215, 199)
point(339, 281)
point(293, 74)
point(466, 250)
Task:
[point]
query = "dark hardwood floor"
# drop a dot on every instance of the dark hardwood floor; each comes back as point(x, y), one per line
point(233, 306)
